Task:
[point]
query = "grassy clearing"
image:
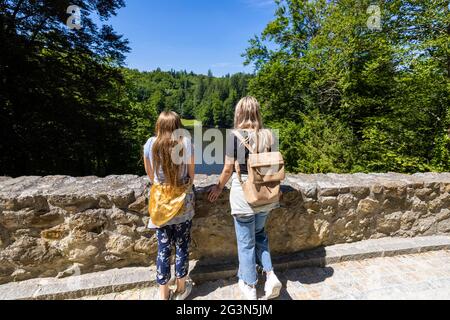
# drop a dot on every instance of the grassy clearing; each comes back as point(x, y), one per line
point(189, 123)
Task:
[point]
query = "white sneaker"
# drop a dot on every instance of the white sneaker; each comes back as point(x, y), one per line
point(248, 292)
point(185, 294)
point(272, 287)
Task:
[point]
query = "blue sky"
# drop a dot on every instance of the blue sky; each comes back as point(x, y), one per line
point(192, 35)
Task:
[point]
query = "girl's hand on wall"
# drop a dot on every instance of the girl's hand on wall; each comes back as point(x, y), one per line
point(214, 193)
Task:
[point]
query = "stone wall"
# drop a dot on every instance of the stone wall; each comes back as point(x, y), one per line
point(49, 224)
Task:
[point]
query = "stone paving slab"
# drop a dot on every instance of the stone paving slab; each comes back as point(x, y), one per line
point(104, 282)
point(422, 276)
point(119, 280)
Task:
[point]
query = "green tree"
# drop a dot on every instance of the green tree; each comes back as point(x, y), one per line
point(61, 91)
point(229, 107)
point(390, 87)
point(217, 110)
point(315, 144)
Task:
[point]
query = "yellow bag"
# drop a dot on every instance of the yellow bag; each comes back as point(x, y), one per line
point(166, 202)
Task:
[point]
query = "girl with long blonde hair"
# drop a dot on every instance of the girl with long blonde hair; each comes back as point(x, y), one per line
point(250, 222)
point(171, 201)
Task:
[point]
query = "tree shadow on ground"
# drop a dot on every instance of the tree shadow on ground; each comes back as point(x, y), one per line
point(302, 268)
point(294, 270)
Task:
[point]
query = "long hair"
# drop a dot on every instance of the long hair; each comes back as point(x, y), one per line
point(164, 145)
point(248, 117)
point(248, 114)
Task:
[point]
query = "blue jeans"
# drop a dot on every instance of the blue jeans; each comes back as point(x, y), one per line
point(253, 246)
point(178, 236)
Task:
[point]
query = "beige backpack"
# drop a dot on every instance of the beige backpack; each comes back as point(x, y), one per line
point(265, 173)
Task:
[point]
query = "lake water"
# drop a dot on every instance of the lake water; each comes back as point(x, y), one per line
point(205, 168)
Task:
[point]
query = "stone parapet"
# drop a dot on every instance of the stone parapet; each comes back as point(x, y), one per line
point(51, 224)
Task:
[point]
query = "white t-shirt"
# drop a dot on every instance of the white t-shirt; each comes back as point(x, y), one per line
point(188, 151)
point(189, 210)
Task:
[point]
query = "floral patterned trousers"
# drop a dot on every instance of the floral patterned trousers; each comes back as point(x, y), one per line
point(178, 236)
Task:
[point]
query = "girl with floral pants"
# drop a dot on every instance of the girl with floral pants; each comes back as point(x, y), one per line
point(179, 237)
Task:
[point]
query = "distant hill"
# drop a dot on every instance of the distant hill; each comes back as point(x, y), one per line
point(203, 97)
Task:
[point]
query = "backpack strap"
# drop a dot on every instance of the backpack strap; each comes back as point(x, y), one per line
point(245, 143)
point(237, 167)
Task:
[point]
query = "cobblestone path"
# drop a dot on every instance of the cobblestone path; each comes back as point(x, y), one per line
point(420, 276)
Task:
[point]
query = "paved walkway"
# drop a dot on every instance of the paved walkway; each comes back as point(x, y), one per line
point(419, 276)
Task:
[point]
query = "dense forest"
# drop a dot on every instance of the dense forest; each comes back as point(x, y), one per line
point(345, 97)
point(351, 98)
point(67, 104)
point(62, 110)
point(202, 97)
